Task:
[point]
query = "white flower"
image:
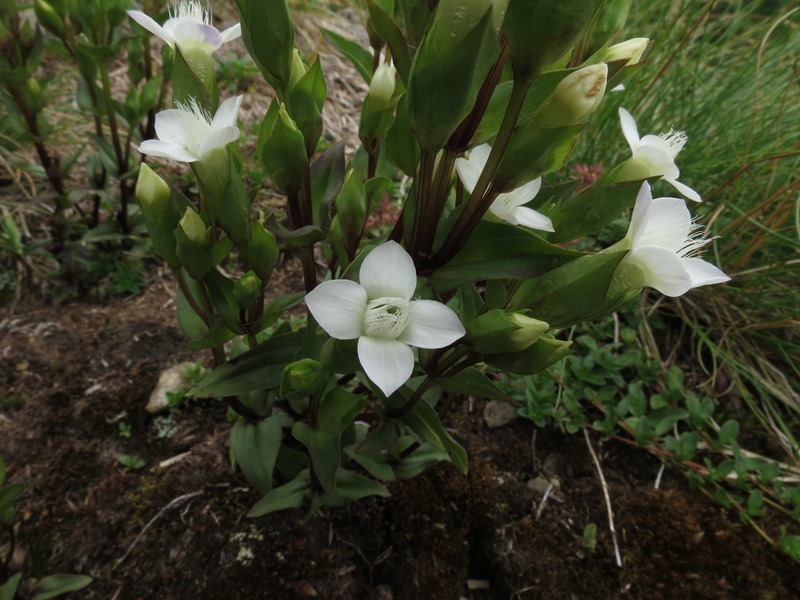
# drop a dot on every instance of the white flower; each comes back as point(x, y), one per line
point(187, 133)
point(630, 50)
point(653, 156)
point(381, 314)
point(664, 244)
point(188, 27)
point(508, 206)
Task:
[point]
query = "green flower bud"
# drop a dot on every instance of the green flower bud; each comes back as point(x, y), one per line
point(351, 205)
point(575, 98)
point(247, 289)
point(500, 331)
point(49, 18)
point(284, 154)
point(262, 251)
point(299, 68)
point(152, 192)
point(629, 50)
point(195, 229)
point(381, 88)
point(302, 379)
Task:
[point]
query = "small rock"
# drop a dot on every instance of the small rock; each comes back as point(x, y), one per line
point(171, 381)
point(497, 414)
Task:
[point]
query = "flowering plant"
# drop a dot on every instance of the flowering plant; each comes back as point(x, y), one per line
point(476, 274)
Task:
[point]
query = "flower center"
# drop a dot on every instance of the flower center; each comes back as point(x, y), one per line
point(386, 317)
point(193, 10)
point(195, 124)
point(674, 141)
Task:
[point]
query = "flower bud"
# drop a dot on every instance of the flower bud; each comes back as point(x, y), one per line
point(247, 289)
point(381, 88)
point(284, 153)
point(49, 18)
point(302, 379)
point(299, 68)
point(499, 331)
point(152, 192)
point(195, 229)
point(351, 206)
point(629, 50)
point(575, 97)
point(262, 251)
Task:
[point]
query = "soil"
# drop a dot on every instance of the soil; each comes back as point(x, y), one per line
point(69, 373)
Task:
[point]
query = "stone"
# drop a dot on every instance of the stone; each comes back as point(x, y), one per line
point(496, 414)
point(172, 380)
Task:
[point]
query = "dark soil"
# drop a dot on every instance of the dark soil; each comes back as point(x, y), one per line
point(68, 371)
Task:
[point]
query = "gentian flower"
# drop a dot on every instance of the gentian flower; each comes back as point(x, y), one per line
point(188, 27)
point(187, 133)
point(663, 243)
point(380, 313)
point(508, 206)
point(653, 156)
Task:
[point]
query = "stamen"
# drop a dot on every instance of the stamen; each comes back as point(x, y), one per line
point(675, 141)
point(386, 317)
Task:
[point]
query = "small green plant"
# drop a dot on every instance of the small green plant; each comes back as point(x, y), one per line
point(131, 463)
point(46, 587)
point(124, 429)
point(590, 537)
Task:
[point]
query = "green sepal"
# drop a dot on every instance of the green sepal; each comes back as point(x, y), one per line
point(162, 227)
point(55, 585)
point(359, 56)
point(445, 79)
point(284, 154)
point(325, 451)
point(268, 34)
point(351, 205)
point(257, 369)
point(255, 447)
point(545, 352)
point(289, 495)
point(197, 259)
point(262, 252)
point(591, 209)
point(307, 99)
point(533, 152)
point(386, 29)
point(196, 83)
point(573, 292)
point(499, 251)
point(223, 192)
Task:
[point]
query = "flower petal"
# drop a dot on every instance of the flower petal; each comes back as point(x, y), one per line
point(500, 209)
point(703, 273)
point(629, 129)
point(191, 34)
point(469, 170)
point(641, 210)
point(523, 194)
point(151, 26)
point(170, 125)
point(218, 139)
point(652, 161)
point(388, 363)
point(227, 114)
point(431, 325)
point(668, 225)
point(683, 189)
point(388, 271)
point(167, 150)
point(661, 269)
point(231, 33)
point(532, 218)
point(338, 306)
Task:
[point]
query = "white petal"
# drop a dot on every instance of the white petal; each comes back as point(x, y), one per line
point(169, 125)
point(388, 271)
point(431, 325)
point(662, 270)
point(500, 209)
point(191, 34)
point(227, 114)
point(338, 306)
point(231, 33)
point(654, 161)
point(532, 218)
point(219, 139)
point(388, 363)
point(151, 26)
point(522, 194)
point(668, 225)
point(703, 273)
point(641, 210)
point(469, 169)
point(684, 189)
point(629, 129)
point(167, 150)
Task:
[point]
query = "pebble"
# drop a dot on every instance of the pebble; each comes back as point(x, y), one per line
point(171, 380)
point(496, 414)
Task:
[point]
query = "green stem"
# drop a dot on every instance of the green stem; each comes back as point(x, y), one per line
point(422, 201)
point(190, 299)
point(122, 165)
point(438, 199)
point(479, 200)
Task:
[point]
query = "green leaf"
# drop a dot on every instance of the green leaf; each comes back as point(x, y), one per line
point(302, 236)
point(352, 486)
point(3, 471)
point(289, 495)
point(664, 419)
point(499, 251)
point(327, 175)
point(257, 369)
point(55, 585)
point(307, 99)
point(386, 29)
point(374, 464)
point(419, 460)
point(276, 307)
point(268, 33)
point(8, 494)
point(728, 432)
point(325, 452)
point(338, 409)
point(402, 148)
point(360, 57)
point(255, 447)
point(471, 381)
point(544, 352)
point(416, 17)
point(9, 589)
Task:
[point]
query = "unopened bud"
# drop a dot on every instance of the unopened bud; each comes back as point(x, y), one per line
point(498, 331)
point(49, 18)
point(381, 88)
point(262, 251)
point(299, 68)
point(247, 289)
point(575, 97)
point(630, 50)
point(194, 228)
point(351, 205)
point(529, 330)
point(152, 192)
point(302, 379)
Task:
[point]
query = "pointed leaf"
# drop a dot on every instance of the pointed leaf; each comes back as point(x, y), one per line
point(289, 495)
